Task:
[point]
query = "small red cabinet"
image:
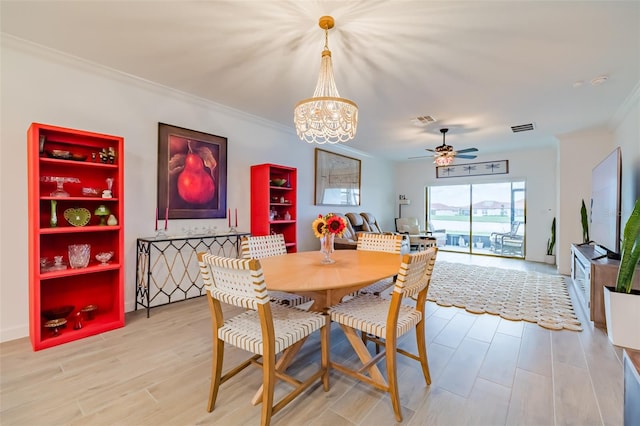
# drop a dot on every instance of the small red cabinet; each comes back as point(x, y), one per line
point(274, 202)
point(89, 161)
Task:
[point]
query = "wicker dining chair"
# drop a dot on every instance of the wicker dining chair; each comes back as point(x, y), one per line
point(259, 247)
point(264, 329)
point(390, 243)
point(386, 320)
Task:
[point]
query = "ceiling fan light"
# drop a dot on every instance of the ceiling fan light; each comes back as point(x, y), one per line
point(443, 160)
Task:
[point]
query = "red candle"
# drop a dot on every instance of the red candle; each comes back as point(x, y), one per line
point(229, 216)
point(166, 218)
point(156, 218)
point(236, 217)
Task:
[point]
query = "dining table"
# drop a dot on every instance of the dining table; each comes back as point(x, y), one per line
point(327, 284)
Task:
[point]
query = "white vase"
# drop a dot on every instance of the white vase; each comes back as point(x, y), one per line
point(550, 259)
point(622, 313)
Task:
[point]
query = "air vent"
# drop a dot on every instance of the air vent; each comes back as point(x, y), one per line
point(522, 128)
point(423, 120)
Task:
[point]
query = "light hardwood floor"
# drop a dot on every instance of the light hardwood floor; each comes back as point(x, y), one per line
point(485, 371)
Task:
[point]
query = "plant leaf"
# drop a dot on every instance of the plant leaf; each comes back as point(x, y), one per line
point(207, 157)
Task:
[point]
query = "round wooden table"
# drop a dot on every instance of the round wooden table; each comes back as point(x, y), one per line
point(302, 273)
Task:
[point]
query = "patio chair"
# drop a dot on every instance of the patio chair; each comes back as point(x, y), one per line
point(259, 247)
point(497, 239)
point(387, 320)
point(264, 329)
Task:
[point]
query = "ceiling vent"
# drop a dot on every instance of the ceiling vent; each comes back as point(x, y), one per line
point(522, 128)
point(423, 120)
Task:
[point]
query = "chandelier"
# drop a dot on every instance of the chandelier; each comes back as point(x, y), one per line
point(326, 117)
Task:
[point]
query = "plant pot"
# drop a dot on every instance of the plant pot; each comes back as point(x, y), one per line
point(622, 313)
point(480, 245)
point(550, 259)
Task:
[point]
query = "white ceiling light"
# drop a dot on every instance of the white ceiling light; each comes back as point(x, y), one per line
point(326, 117)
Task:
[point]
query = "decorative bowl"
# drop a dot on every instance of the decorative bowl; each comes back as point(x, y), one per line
point(278, 182)
point(58, 313)
point(104, 257)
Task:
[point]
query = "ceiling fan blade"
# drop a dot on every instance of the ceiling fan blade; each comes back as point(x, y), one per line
point(467, 150)
point(422, 156)
point(430, 150)
point(470, 157)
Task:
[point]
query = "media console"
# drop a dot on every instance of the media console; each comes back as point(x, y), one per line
point(591, 272)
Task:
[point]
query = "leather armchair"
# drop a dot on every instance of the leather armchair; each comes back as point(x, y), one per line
point(371, 225)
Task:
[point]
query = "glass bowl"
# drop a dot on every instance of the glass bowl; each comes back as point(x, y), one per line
point(104, 257)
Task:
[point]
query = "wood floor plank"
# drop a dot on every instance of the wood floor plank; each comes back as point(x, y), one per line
point(459, 375)
point(531, 400)
point(500, 363)
point(484, 328)
point(455, 331)
point(535, 351)
point(575, 400)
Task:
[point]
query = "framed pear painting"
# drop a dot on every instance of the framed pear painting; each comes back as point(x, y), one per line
point(192, 174)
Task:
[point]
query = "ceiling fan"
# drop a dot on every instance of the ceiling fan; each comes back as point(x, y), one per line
point(444, 154)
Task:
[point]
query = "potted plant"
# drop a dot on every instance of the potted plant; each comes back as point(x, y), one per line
point(550, 258)
point(585, 224)
point(622, 303)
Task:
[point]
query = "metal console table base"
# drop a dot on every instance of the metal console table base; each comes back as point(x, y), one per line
point(167, 268)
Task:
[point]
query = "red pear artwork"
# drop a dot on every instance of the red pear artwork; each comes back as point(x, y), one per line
point(192, 174)
point(192, 167)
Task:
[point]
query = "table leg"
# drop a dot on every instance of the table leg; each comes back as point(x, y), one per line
point(363, 353)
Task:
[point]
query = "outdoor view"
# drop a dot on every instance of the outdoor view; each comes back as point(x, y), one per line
point(484, 218)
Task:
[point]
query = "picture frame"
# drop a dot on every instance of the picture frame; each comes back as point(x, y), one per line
point(499, 167)
point(192, 174)
point(337, 179)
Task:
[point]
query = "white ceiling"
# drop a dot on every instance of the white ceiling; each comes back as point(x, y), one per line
point(478, 67)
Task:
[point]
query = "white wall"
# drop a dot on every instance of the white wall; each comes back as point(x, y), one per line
point(42, 86)
point(537, 168)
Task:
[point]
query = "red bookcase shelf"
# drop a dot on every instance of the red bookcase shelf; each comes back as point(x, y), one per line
point(61, 152)
point(268, 199)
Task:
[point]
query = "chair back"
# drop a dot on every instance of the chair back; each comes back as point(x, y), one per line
point(515, 226)
point(237, 282)
point(408, 225)
point(415, 275)
point(371, 223)
point(380, 242)
point(356, 221)
point(259, 247)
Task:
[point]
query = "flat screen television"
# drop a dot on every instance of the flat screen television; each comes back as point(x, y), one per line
point(604, 222)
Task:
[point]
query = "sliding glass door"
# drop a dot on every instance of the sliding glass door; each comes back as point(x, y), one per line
point(482, 218)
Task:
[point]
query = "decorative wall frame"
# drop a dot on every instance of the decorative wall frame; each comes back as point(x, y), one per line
point(499, 167)
point(337, 179)
point(192, 174)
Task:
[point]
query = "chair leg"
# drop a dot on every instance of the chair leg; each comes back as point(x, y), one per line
point(393, 378)
point(325, 345)
point(422, 351)
point(268, 384)
point(216, 372)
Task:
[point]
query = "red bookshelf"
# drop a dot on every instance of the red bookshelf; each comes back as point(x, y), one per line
point(69, 153)
point(269, 198)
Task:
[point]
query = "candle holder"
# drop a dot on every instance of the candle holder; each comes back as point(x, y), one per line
point(161, 234)
point(233, 230)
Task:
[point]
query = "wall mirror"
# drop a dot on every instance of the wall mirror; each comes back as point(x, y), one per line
point(337, 179)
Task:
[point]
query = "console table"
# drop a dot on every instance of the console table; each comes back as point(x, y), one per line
point(590, 273)
point(167, 268)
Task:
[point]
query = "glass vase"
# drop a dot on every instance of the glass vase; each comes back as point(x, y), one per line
point(326, 248)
